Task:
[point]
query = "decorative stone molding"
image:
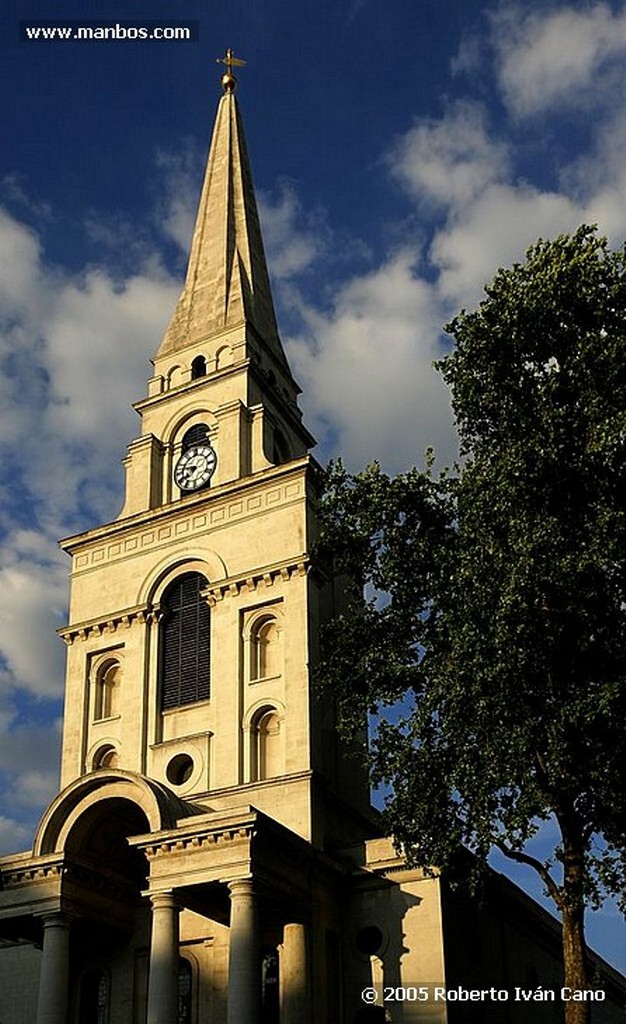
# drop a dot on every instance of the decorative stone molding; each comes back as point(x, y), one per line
point(176, 523)
point(32, 873)
point(261, 578)
point(181, 844)
point(124, 619)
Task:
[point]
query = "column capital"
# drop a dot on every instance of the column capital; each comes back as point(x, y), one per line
point(56, 918)
point(165, 899)
point(241, 887)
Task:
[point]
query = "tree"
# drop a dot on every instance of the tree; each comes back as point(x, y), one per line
point(488, 605)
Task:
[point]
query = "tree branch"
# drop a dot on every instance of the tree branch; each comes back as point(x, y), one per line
point(532, 862)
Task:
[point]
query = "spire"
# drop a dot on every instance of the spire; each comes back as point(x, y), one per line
point(227, 281)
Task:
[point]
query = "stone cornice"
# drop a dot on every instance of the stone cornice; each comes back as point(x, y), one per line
point(232, 586)
point(200, 832)
point(231, 497)
point(34, 870)
point(251, 581)
point(110, 624)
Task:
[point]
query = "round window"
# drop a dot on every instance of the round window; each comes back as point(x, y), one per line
point(369, 940)
point(179, 769)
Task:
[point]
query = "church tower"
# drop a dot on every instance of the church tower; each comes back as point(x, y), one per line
point(194, 614)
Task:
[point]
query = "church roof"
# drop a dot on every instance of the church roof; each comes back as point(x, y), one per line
point(227, 280)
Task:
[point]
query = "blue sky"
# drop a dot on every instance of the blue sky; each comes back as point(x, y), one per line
point(402, 151)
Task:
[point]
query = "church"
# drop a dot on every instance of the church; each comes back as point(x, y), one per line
point(212, 856)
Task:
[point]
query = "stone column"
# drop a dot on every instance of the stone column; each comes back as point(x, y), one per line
point(53, 980)
point(294, 989)
point(163, 971)
point(244, 976)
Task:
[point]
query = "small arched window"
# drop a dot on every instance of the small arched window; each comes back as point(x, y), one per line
point(106, 757)
point(266, 745)
point(198, 367)
point(265, 649)
point(94, 997)
point(223, 357)
point(107, 697)
point(184, 670)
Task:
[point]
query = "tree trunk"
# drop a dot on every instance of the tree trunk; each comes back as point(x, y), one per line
point(573, 910)
point(574, 967)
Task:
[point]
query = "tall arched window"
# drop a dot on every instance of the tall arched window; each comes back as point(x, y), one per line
point(184, 675)
point(266, 745)
point(108, 678)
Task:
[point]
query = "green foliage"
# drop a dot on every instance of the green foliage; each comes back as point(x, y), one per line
point(495, 596)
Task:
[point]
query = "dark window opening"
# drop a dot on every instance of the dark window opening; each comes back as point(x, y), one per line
point(198, 367)
point(280, 451)
point(184, 991)
point(270, 989)
point(180, 769)
point(369, 940)
point(198, 434)
point(185, 643)
point(94, 997)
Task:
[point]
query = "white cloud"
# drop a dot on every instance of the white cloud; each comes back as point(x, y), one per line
point(494, 231)
point(74, 355)
point(293, 239)
point(32, 606)
point(13, 836)
point(449, 161)
point(368, 373)
point(181, 182)
point(35, 788)
point(559, 57)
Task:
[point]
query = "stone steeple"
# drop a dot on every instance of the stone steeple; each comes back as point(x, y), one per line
point(227, 281)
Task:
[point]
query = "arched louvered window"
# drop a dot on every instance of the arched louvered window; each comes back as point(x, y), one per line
point(198, 434)
point(185, 643)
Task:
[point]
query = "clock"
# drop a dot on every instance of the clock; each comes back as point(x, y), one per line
point(195, 467)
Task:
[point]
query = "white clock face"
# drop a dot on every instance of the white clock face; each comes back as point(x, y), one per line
point(195, 468)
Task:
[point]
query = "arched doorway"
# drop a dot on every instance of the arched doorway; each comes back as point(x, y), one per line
point(107, 876)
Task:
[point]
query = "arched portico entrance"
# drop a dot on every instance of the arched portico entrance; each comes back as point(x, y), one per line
point(90, 929)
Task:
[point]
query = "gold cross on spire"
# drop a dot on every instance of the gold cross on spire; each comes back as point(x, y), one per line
point(229, 81)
